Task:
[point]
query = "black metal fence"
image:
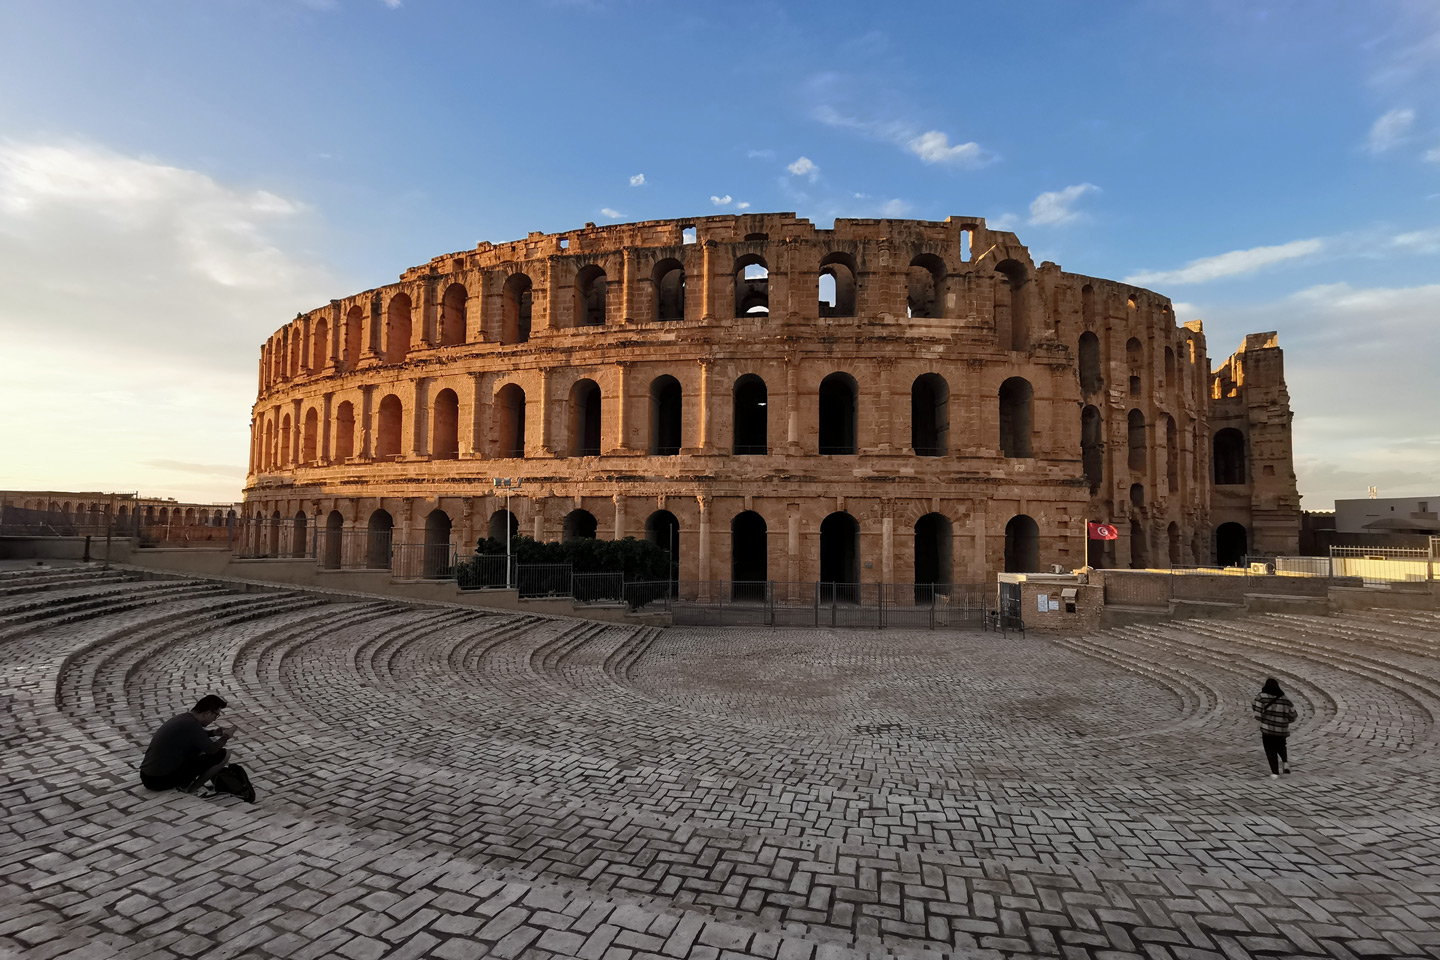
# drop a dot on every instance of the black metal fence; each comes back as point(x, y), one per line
point(778, 603)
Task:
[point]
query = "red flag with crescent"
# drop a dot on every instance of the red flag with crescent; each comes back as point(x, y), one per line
point(1103, 531)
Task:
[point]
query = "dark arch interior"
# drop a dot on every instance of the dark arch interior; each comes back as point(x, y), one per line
point(1229, 456)
point(1231, 544)
point(510, 409)
point(1091, 380)
point(1139, 545)
point(579, 525)
point(377, 553)
point(930, 415)
point(934, 544)
point(1022, 545)
point(663, 530)
point(1092, 448)
point(585, 419)
point(838, 415)
point(665, 416)
point(1015, 417)
point(749, 563)
point(751, 407)
point(840, 552)
point(501, 519)
point(445, 432)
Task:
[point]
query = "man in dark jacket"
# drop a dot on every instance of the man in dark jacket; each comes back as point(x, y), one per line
point(183, 754)
point(1275, 713)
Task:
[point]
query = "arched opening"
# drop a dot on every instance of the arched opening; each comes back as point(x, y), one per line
point(1137, 496)
point(934, 545)
point(925, 287)
point(1092, 448)
point(840, 556)
point(1022, 545)
point(1139, 545)
point(839, 415)
point(500, 522)
point(334, 539)
point(275, 522)
point(445, 426)
point(751, 416)
point(1231, 544)
point(1136, 434)
point(285, 441)
point(1169, 367)
point(752, 286)
point(1172, 533)
point(294, 335)
point(579, 525)
point(1091, 380)
point(518, 297)
point(930, 415)
point(663, 530)
point(397, 328)
point(298, 536)
point(344, 432)
point(749, 557)
point(1016, 417)
point(665, 416)
point(453, 321)
point(310, 437)
point(1229, 456)
point(590, 297)
point(1012, 293)
point(392, 418)
point(669, 280)
point(1135, 360)
point(436, 563)
point(320, 346)
point(510, 420)
point(1172, 455)
point(377, 546)
point(585, 419)
point(837, 285)
point(354, 336)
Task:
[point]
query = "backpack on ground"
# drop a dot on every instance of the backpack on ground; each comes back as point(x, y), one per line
point(233, 779)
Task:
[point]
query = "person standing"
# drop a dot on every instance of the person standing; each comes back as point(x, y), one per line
point(183, 754)
point(1275, 713)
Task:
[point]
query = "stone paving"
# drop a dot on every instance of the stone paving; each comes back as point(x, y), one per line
point(440, 782)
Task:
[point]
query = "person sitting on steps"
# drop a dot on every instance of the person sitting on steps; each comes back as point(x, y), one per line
point(183, 754)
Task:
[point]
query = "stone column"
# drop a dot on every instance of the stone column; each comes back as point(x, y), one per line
point(707, 282)
point(792, 407)
point(704, 552)
point(706, 439)
point(296, 430)
point(544, 432)
point(420, 419)
point(367, 421)
point(337, 337)
point(622, 401)
point(619, 501)
point(325, 430)
point(978, 523)
point(627, 287)
point(887, 543)
point(479, 418)
point(792, 542)
point(885, 439)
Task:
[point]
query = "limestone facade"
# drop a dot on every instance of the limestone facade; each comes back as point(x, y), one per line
point(885, 401)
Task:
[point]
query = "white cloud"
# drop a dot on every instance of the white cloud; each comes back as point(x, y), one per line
point(743, 205)
point(805, 167)
point(931, 147)
point(1420, 241)
point(638, 180)
point(1432, 155)
point(1230, 264)
point(612, 214)
point(393, 4)
point(1006, 221)
point(1390, 130)
point(721, 201)
point(935, 147)
point(1056, 206)
point(760, 154)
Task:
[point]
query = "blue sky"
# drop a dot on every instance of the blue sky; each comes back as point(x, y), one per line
point(177, 179)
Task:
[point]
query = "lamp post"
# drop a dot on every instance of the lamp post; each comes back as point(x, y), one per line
point(508, 484)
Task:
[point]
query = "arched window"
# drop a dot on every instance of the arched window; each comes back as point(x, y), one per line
point(751, 403)
point(752, 286)
point(500, 521)
point(437, 563)
point(749, 556)
point(590, 297)
point(1169, 366)
point(510, 421)
point(1172, 455)
point(1016, 417)
point(1137, 496)
point(838, 427)
point(1092, 448)
point(320, 346)
point(1231, 544)
point(1091, 380)
point(518, 297)
point(310, 438)
point(453, 320)
point(1012, 295)
point(1136, 432)
point(1139, 545)
point(837, 285)
point(1022, 545)
point(930, 415)
point(354, 336)
point(934, 546)
point(840, 555)
point(585, 419)
point(377, 546)
point(397, 328)
point(666, 415)
point(285, 441)
point(334, 541)
point(344, 431)
point(579, 525)
point(392, 417)
point(445, 426)
point(925, 287)
point(275, 522)
point(1135, 360)
point(298, 536)
point(669, 281)
point(663, 530)
point(294, 334)
point(1229, 456)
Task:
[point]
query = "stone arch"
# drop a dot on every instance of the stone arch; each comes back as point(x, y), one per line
point(837, 285)
point(436, 561)
point(454, 306)
point(398, 328)
point(298, 534)
point(1087, 306)
point(354, 336)
point(1135, 361)
point(1228, 456)
point(310, 437)
point(445, 426)
point(663, 530)
point(1092, 447)
point(331, 557)
point(1135, 437)
point(838, 411)
point(1017, 399)
point(510, 421)
point(579, 525)
point(840, 552)
point(749, 550)
point(585, 418)
point(275, 522)
point(285, 441)
point(344, 431)
point(668, 279)
point(590, 296)
point(500, 520)
point(1092, 381)
point(925, 287)
point(930, 415)
point(751, 416)
point(1022, 545)
point(392, 419)
point(1232, 543)
point(666, 416)
point(1013, 290)
point(320, 345)
point(1139, 545)
point(518, 299)
point(752, 286)
point(379, 530)
point(934, 562)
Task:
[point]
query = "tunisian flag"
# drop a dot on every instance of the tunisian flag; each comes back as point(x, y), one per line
point(1103, 531)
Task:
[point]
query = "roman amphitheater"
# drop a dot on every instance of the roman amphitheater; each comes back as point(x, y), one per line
point(886, 401)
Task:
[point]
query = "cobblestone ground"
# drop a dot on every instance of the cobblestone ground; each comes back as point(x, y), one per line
point(440, 782)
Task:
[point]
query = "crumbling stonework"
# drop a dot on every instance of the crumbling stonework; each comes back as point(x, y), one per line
point(886, 401)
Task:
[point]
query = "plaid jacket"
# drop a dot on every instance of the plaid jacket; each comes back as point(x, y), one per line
point(1275, 714)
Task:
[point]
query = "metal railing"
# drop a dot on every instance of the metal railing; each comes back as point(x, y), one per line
point(778, 603)
point(354, 549)
point(272, 539)
point(422, 561)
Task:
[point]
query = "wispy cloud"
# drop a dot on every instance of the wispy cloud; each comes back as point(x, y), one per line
point(743, 205)
point(805, 167)
point(612, 214)
point(1419, 241)
point(1058, 206)
point(1432, 155)
point(721, 201)
point(1234, 263)
point(766, 154)
point(393, 4)
point(1390, 131)
point(638, 180)
point(931, 146)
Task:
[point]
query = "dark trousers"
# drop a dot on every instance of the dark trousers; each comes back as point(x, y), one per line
point(1275, 750)
point(188, 772)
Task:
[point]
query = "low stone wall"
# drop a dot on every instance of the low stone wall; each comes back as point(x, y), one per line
point(65, 548)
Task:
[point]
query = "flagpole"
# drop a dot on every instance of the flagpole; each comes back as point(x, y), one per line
point(1085, 542)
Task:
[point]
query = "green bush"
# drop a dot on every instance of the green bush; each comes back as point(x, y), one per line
point(636, 559)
